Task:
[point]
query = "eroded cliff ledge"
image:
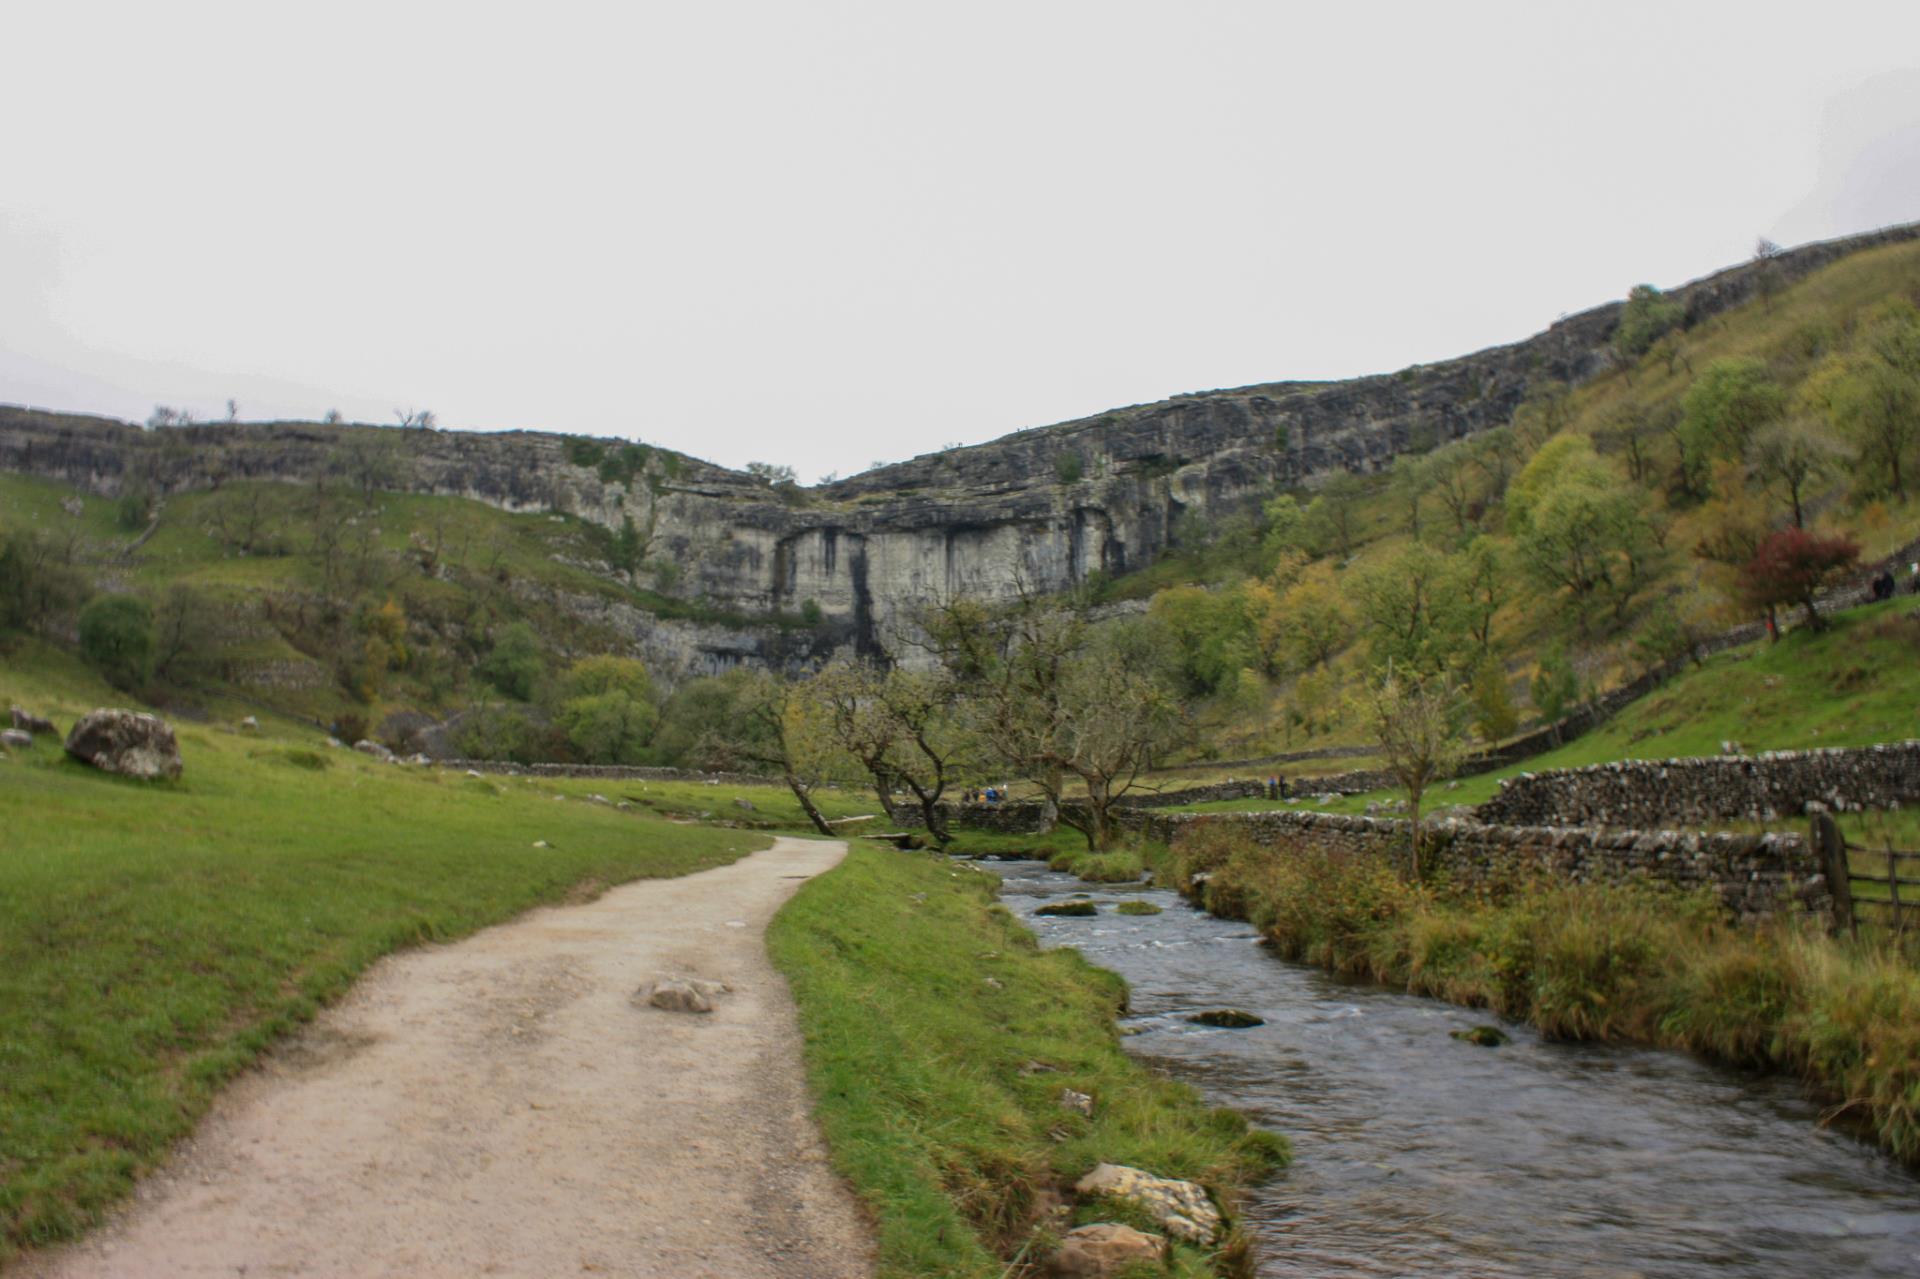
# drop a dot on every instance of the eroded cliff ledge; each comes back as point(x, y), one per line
point(1043, 507)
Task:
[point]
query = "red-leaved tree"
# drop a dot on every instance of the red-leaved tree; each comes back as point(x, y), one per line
point(1791, 566)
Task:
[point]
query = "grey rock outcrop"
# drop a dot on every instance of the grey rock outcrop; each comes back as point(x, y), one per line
point(27, 722)
point(375, 749)
point(1043, 508)
point(1105, 1250)
point(131, 743)
point(1180, 1207)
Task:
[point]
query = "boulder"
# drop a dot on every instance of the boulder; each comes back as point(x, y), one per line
point(1181, 1207)
point(131, 743)
point(1484, 1036)
point(375, 749)
point(1226, 1019)
point(1106, 1249)
point(15, 739)
point(27, 722)
point(1078, 1102)
point(250, 724)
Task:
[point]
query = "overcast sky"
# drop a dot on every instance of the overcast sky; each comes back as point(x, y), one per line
point(829, 234)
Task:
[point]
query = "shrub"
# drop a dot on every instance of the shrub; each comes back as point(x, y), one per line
point(1069, 467)
point(515, 663)
point(116, 637)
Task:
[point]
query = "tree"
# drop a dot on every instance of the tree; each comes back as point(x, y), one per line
point(35, 585)
point(1450, 479)
point(1727, 403)
point(116, 637)
point(1767, 273)
point(769, 474)
point(1555, 687)
point(1874, 396)
point(605, 707)
point(1647, 316)
point(900, 727)
point(1578, 530)
point(1118, 712)
point(184, 635)
point(1214, 631)
point(1494, 715)
point(1409, 482)
point(1330, 515)
point(1416, 721)
point(1406, 613)
point(1476, 587)
point(1788, 457)
point(1305, 625)
point(1791, 567)
point(1286, 532)
point(768, 723)
point(242, 518)
point(515, 663)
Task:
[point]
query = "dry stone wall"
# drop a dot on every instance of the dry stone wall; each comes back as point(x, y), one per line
point(1756, 877)
point(1659, 793)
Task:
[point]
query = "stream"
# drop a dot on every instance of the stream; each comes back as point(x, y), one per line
point(1417, 1154)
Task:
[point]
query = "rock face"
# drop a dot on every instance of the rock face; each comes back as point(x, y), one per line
point(126, 742)
point(1105, 1250)
point(1044, 507)
point(1181, 1207)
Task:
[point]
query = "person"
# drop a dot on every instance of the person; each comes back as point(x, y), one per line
point(1773, 632)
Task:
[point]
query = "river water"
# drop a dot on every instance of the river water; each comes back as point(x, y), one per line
point(1417, 1154)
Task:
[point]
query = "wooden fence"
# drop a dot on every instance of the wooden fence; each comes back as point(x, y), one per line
point(1845, 865)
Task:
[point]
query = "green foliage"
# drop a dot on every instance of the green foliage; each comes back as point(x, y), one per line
point(135, 506)
point(1874, 396)
point(1068, 468)
point(1647, 315)
point(116, 638)
point(1556, 685)
point(500, 732)
point(515, 663)
point(1579, 531)
point(606, 710)
point(810, 613)
point(35, 586)
point(1727, 403)
point(1494, 715)
point(586, 452)
point(888, 957)
point(1212, 632)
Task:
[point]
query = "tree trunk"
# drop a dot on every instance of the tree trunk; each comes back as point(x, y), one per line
point(1099, 817)
point(800, 793)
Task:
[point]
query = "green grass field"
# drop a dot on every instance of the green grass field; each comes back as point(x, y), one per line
point(938, 1040)
point(154, 938)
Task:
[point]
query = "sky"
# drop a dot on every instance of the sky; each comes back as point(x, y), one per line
point(824, 235)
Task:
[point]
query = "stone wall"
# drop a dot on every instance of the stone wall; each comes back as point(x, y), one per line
point(608, 772)
point(1669, 792)
point(1756, 877)
point(1022, 817)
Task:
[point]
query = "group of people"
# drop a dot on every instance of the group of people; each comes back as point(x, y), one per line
point(985, 795)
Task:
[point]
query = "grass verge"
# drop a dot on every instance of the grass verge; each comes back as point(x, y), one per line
point(939, 1039)
point(154, 938)
point(1638, 961)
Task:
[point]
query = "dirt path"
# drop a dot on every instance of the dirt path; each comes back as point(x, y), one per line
point(500, 1107)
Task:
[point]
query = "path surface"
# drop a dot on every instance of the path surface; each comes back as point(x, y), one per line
point(500, 1107)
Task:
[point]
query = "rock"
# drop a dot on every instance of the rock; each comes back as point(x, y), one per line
point(473, 772)
point(681, 994)
point(1181, 1207)
point(420, 760)
point(15, 739)
point(993, 983)
point(1068, 908)
point(1078, 1102)
point(1227, 1019)
point(30, 723)
point(744, 805)
point(1104, 1250)
point(336, 743)
point(541, 843)
point(374, 749)
point(1484, 1036)
point(131, 743)
point(250, 724)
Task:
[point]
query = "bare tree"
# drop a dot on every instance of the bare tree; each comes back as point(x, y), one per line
point(771, 723)
point(1418, 723)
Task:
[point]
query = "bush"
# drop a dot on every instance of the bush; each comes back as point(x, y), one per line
point(116, 638)
point(1069, 467)
point(515, 663)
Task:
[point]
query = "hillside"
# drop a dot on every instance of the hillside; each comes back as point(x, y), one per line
point(1282, 534)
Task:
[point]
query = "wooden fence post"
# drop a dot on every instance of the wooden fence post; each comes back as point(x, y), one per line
point(1893, 888)
point(1831, 849)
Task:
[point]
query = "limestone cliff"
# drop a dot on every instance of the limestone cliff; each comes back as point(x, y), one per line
point(1045, 506)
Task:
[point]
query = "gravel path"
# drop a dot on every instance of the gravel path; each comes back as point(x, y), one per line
point(500, 1106)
